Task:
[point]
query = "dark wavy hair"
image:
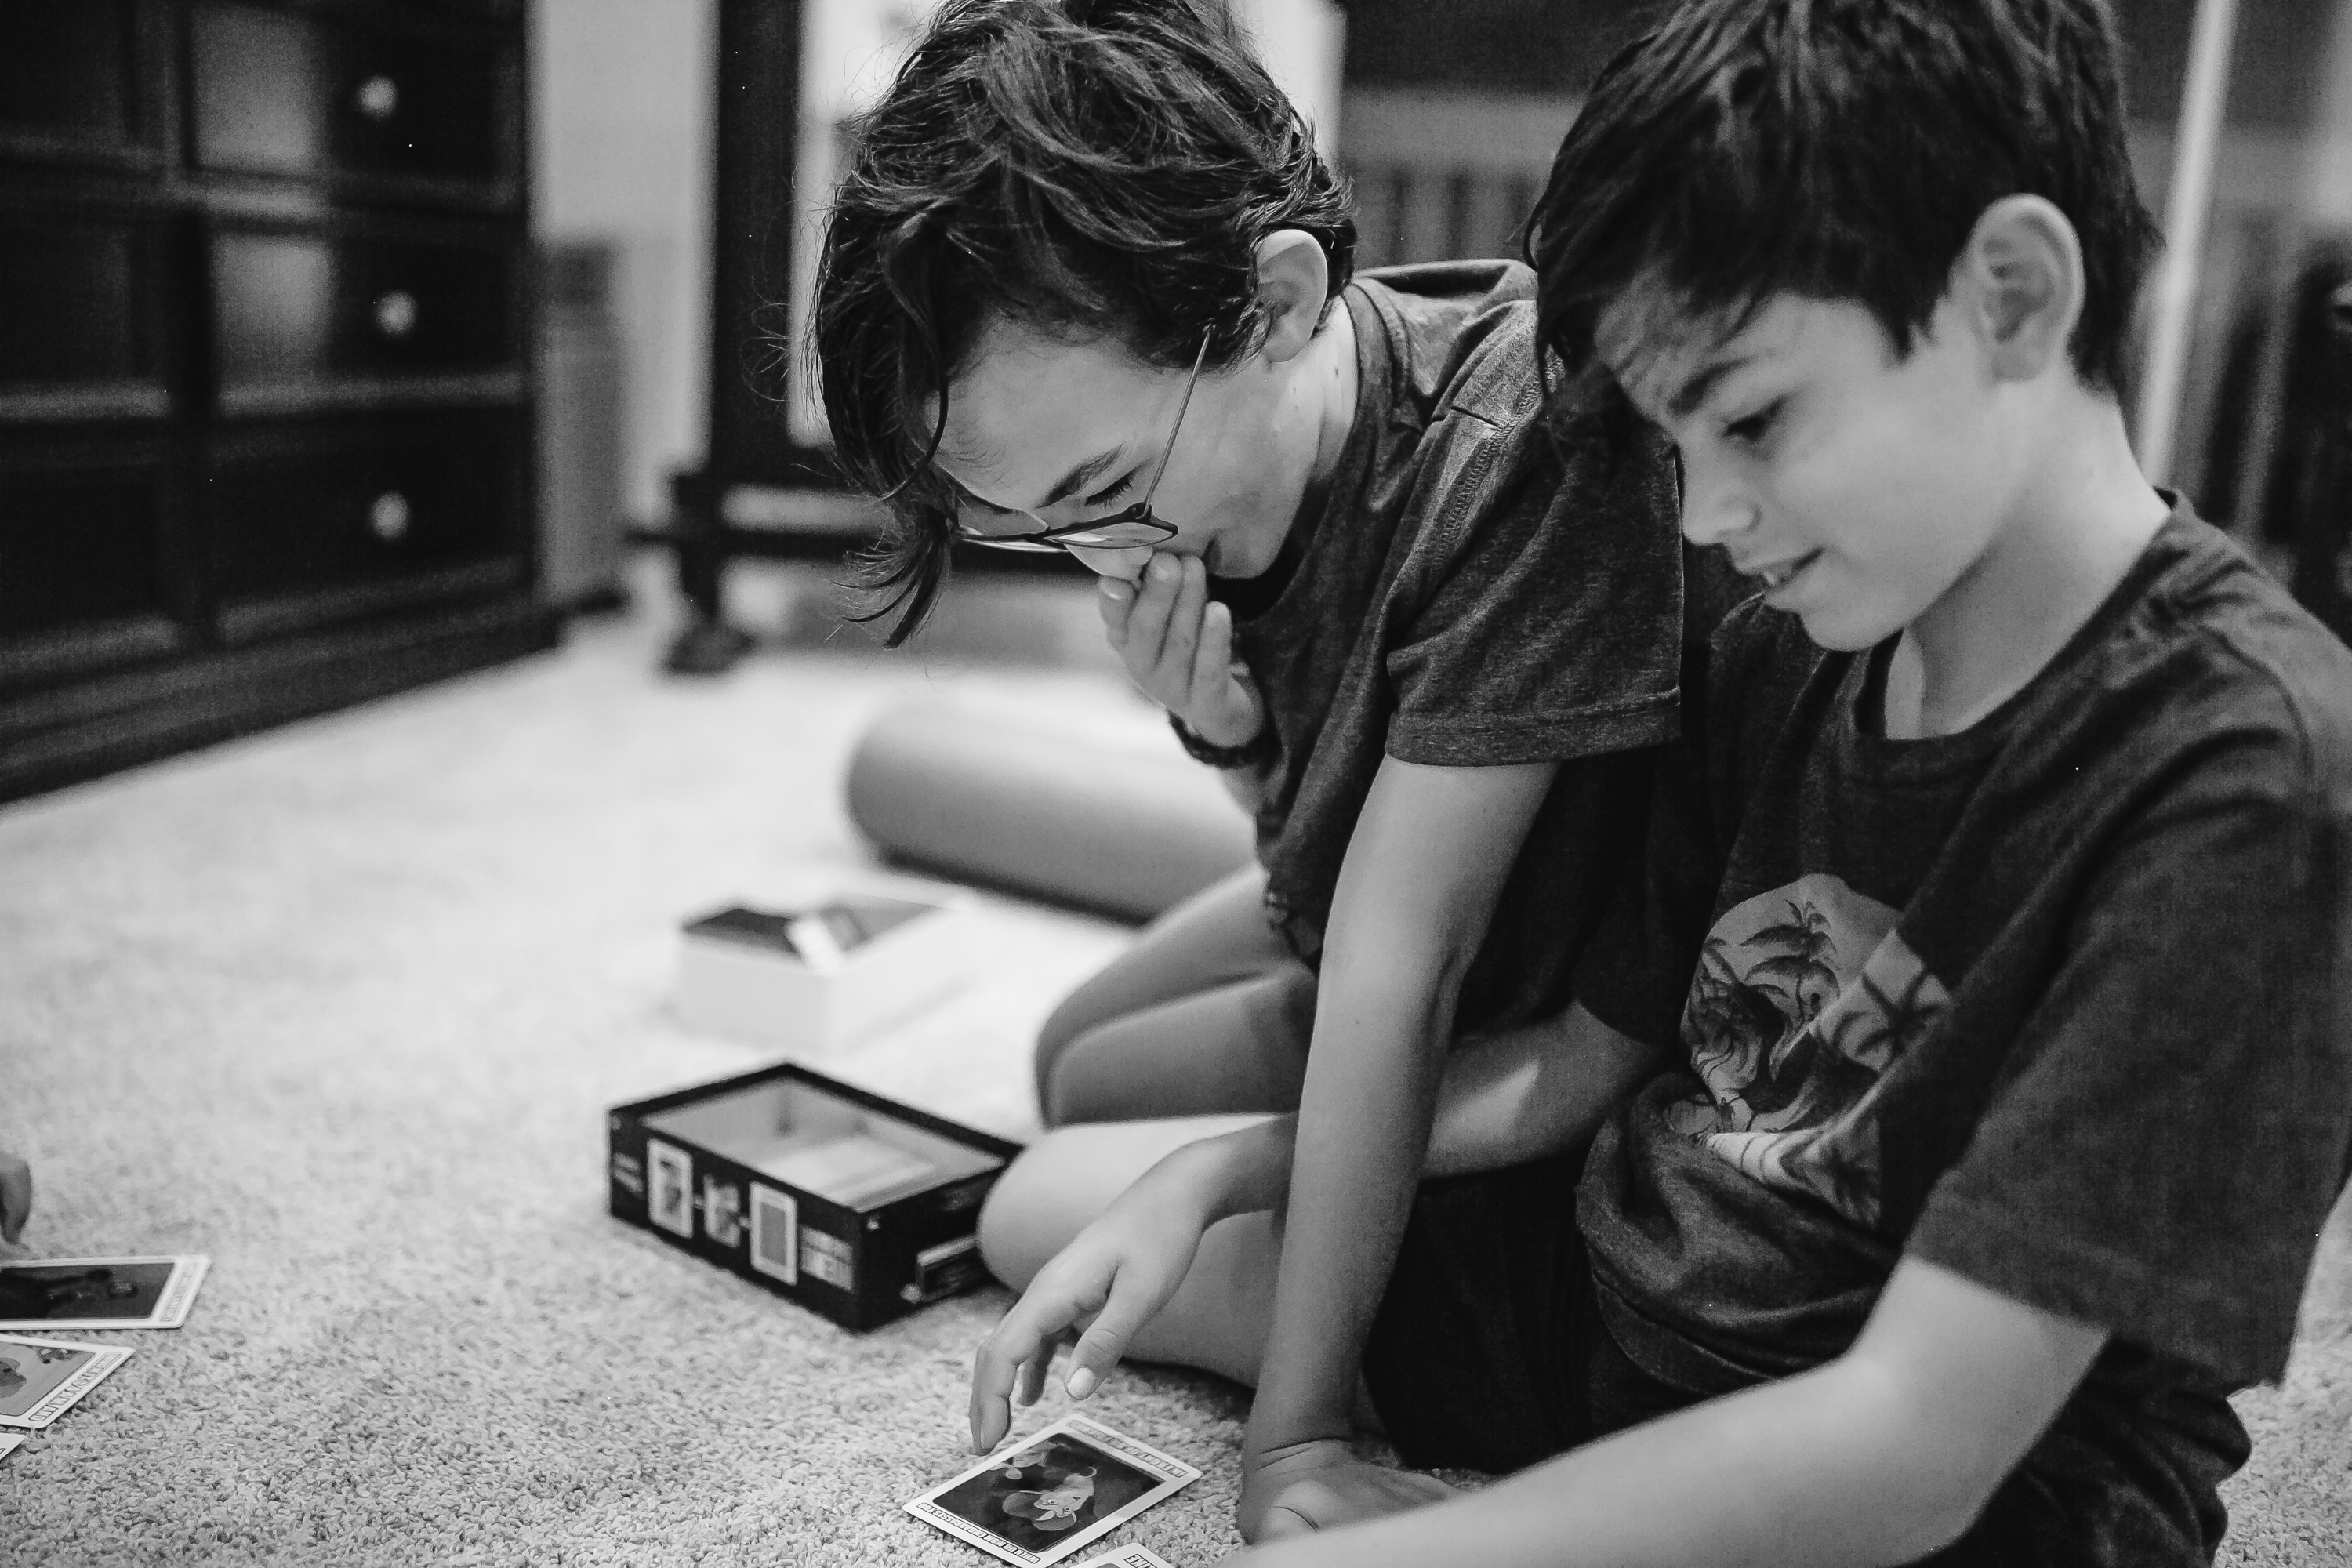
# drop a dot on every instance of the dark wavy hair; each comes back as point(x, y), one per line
point(1840, 150)
point(1093, 168)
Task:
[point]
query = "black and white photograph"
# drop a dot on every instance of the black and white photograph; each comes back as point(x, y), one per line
point(775, 1234)
point(670, 1196)
point(723, 1212)
point(1042, 1500)
point(99, 1292)
point(1508, 766)
point(41, 1379)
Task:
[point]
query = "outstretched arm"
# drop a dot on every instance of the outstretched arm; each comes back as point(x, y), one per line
point(1882, 1457)
point(1096, 1279)
point(1425, 865)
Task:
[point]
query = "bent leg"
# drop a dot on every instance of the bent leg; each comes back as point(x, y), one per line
point(1219, 935)
point(1217, 1320)
point(1234, 1048)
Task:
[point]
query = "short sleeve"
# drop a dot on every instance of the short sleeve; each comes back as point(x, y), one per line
point(1553, 627)
point(1634, 973)
point(2175, 1120)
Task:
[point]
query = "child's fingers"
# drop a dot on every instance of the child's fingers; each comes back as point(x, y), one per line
point(1113, 600)
point(1001, 1359)
point(15, 1196)
point(1184, 622)
point(1100, 1348)
point(1031, 1385)
point(1212, 658)
point(1147, 621)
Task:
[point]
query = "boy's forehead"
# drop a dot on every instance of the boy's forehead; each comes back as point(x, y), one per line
point(1659, 346)
point(1026, 406)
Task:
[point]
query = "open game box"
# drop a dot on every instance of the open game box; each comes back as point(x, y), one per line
point(850, 1204)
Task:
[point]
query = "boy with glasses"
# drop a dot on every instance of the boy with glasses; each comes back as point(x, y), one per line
point(1086, 287)
point(1986, 978)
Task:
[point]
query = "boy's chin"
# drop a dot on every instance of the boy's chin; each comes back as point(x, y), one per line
point(1846, 628)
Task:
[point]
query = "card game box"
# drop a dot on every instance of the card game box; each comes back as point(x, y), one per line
point(850, 1204)
point(819, 975)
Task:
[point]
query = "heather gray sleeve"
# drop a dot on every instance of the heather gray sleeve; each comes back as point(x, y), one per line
point(1553, 622)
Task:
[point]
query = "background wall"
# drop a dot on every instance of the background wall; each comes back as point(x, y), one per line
point(620, 129)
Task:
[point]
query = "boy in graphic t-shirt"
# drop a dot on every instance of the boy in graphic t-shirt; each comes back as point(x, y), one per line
point(1989, 965)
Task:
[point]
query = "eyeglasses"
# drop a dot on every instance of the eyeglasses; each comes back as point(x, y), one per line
point(1131, 528)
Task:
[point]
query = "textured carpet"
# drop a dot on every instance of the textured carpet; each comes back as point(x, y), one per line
point(342, 1006)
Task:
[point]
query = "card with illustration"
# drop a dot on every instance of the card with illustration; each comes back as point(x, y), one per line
point(1043, 1499)
point(41, 1379)
point(1127, 1557)
point(99, 1292)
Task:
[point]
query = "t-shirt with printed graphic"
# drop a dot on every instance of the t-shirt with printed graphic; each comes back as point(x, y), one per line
point(1472, 593)
point(2062, 1003)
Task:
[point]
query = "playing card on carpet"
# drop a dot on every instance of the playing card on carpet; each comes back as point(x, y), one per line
point(9, 1443)
point(99, 1292)
point(1043, 1499)
point(1127, 1557)
point(41, 1379)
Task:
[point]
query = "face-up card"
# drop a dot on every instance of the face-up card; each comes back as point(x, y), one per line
point(1047, 1496)
point(9, 1443)
point(41, 1379)
point(1127, 1557)
point(99, 1292)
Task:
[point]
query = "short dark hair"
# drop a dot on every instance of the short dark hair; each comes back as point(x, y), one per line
point(1840, 150)
point(1095, 168)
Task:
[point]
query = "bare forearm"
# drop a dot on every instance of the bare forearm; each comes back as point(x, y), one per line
point(1829, 1469)
point(1525, 1093)
point(1362, 1131)
point(1245, 1171)
point(1508, 1097)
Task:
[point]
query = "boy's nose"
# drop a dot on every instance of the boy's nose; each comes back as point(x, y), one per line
point(1713, 510)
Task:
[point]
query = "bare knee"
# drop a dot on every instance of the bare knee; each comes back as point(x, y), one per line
point(1060, 1183)
point(1025, 1223)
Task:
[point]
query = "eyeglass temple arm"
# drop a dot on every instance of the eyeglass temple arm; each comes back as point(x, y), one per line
point(1199, 358)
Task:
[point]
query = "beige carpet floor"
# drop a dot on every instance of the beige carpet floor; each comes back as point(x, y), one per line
point(342, 1006)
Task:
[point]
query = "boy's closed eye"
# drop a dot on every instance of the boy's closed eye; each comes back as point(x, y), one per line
point(1112, 491)
point(1751, 429)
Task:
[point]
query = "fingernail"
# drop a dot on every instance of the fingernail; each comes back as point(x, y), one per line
point(1165, 569)
point(1081, 1382)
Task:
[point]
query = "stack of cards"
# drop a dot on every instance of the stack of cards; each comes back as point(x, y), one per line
point(41, 1379)
point(1042, 1500)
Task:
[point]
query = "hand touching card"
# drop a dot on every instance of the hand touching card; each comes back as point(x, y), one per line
point(1041, 1500)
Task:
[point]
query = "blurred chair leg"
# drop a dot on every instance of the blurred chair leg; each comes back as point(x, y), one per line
point(707, 645)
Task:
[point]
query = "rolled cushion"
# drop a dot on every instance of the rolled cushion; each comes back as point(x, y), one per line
point(1114, 820)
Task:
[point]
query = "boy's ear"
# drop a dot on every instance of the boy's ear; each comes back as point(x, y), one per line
point(2019, 277)
point(1294, 280)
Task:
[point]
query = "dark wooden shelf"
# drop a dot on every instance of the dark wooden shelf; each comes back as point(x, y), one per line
point(266, 428)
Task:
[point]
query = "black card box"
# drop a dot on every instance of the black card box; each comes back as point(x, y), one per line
point(850, 1204)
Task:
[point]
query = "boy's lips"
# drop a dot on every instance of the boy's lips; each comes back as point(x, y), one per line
point(1775, 575)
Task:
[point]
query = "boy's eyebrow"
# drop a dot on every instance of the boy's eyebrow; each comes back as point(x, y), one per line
point(1696, 391)
point(1086, 473)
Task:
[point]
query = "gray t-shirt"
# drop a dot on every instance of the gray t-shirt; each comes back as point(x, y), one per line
point(2061, 1003)
point(1473, 593)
